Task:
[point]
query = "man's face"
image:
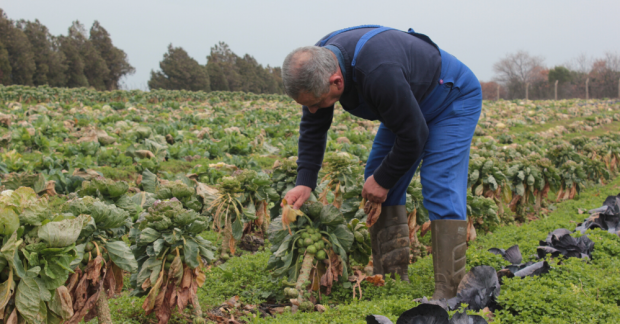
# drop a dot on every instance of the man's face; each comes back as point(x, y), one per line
point(313, 103)
point(336, 88)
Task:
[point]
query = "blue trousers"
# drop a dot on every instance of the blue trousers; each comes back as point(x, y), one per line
point(451, 112)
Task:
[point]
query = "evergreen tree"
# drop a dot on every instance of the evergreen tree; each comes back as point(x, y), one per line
point(276, 76)
point(222, 62)
point(115, 58)
point(95, 68)
point(21, 57)
point(49, 61)
point(229, 72)
point(216, 77)
point(178, 72)
point(5, 66)
point(75, 64)
point(58, 66)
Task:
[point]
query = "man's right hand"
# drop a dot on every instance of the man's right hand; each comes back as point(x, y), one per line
point(297, 196)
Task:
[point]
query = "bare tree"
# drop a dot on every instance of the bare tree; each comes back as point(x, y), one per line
point(613, 61)
point(581, 64)
point(520, 66)
point(518, 69)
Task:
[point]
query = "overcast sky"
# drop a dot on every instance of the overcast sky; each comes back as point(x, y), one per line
point(477, 32)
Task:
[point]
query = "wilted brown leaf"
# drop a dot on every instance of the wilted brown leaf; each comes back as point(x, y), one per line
point(413, 226)
point(376, 280)
point(118, 276)
point(89, 304)
point(145, 154)
point(7, 289)
point(12, 319)
point(182, 297)
point(164, 308)
point(232, 244)
point(187, 277)
point(486, 312)
point(80, 294)
point(193, 298)
point(151, 298)
point(327, 280)
point(50, 188)
point(93, 271)
point(323, 197)
point(176, 270)
point(200, 276)
point(61, 303)
point(146, 284)
point(92, 138)
point(425, 228)
point(513, 203)
point(232, 302)
point(109, 281)
point(88, 174)
point(289, 215)
point(471, 230)
point(373, 210)
point(260, 213)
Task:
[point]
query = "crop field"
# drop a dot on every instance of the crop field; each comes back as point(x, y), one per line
point(165, 207)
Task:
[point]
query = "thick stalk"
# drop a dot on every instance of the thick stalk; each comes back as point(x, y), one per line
point(227, 238)
point(500, 207)
point(304, 275)
point(539, 199)
point(520, 214)
point(103, 309)
point(267, 218)
point(197, 311)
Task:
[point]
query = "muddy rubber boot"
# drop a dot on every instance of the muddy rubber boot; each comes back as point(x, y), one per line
point(390, 242)
point(449, 244)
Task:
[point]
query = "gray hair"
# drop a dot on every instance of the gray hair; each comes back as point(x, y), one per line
point(309, 72)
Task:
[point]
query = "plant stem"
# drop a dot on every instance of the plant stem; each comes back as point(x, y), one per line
point(304, 275)
point(197, 311)
point(103, 309)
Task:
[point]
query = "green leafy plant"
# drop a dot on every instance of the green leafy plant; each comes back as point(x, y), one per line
point(170, 256)
point(311, 248)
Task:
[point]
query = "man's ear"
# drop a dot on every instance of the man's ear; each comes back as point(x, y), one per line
point(336, 79)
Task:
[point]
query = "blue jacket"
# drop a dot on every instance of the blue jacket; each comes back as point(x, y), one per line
point(394, 72)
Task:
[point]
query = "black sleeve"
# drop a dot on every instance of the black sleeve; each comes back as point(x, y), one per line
point(386, 88)
point(312, 141)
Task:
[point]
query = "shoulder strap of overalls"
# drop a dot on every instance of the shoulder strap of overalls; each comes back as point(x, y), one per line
point(362, 42)
point(344, 30)
point(422, 37)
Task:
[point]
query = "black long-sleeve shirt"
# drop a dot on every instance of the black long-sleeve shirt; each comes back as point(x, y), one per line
point(394, 72)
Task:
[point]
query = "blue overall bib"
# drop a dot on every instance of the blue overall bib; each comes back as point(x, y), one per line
point(451, 112)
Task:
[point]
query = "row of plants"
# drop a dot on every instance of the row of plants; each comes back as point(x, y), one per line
point(222, 165)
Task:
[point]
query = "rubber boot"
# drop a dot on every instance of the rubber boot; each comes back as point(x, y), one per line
point(390, 242)
point(449, 244)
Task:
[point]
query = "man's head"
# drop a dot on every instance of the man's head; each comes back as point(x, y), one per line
point(312, 77)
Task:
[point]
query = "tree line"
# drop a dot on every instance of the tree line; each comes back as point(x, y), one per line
point(518, 71)
point(30, 55)
point(224, 71)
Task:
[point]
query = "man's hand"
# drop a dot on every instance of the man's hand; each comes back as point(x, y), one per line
point(297, 196)
point(373, 191)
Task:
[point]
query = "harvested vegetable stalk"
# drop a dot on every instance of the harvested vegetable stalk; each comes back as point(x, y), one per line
point(373, 210)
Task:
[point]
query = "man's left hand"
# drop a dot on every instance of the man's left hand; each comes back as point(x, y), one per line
point(373, 191)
